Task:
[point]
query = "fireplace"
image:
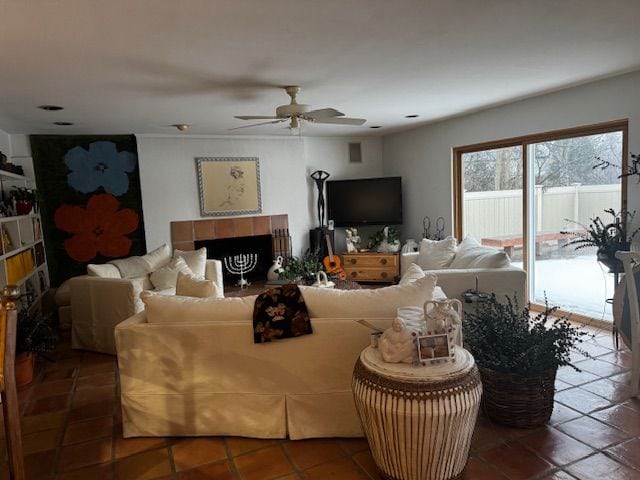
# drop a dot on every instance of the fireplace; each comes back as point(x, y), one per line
point(265, 235)
point(259, 245)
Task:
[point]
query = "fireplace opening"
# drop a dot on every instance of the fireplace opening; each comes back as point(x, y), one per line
point(259, 245)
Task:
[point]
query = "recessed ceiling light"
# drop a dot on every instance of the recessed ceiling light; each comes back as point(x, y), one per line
point(412, 116)
point(51, 108)
point(63, 124)
point(376, 126)
point(183, 127)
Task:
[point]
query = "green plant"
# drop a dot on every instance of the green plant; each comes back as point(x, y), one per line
point(34, 333)
point(302, 268)
point(503, 338)
point(608, 237)
point(377, 238)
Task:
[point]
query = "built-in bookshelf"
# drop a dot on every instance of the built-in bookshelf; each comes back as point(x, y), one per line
point(22, 255)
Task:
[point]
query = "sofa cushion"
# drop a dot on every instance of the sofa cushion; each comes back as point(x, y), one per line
point(105, 271)
point(380, 302)
point(436, 255)
point(131, 267)
point(196, 260)
point(413, 273)
point(166, 309)
point(167, 276)
point(471, 254)
point(158, 258)
point(191, 286)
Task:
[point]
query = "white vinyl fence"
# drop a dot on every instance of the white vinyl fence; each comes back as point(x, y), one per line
point(497, 213)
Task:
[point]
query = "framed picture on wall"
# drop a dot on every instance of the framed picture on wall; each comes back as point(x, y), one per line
point(228, 185)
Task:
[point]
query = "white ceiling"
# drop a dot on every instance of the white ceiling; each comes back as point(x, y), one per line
point(121, 66)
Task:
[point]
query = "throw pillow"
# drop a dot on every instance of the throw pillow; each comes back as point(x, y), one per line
point(436, 255)
point(191, 286)
point(158, 258)
point(174, 309)
point(471, 254)
point(196, 260)
point(413, 273)
point(374, 303)
point(167, 276)
point(105, 271)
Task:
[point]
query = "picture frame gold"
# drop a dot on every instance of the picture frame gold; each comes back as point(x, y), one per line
point(228, 185)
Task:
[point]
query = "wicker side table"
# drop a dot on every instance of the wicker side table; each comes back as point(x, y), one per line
point(418, 420)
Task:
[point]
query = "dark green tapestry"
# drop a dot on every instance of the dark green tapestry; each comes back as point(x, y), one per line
point(90, 200)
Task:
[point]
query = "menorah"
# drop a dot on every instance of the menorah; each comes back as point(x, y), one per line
point(241, 264)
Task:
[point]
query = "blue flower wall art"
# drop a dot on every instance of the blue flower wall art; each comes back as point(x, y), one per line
point(101, 166)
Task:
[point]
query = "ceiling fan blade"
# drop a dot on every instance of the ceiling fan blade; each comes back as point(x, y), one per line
point(324, 113)
point(341, 121)
point(255, 117)
point(257, 124)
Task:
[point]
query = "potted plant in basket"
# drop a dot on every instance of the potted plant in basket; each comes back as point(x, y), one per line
point(302, 269)
point(518, 356)
point(34, 335)
point(24, 198)
point(607, 238)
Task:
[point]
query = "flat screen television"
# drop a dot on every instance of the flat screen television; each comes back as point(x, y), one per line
point(365, 201)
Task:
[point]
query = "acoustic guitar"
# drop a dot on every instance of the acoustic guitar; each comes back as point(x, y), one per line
point(332, 262)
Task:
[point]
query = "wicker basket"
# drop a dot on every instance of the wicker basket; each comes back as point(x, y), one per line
point(517, 400)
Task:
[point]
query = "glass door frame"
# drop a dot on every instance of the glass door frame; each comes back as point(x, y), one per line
point(528, 217)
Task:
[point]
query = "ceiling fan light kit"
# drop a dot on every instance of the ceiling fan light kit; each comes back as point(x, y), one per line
point(294, 112)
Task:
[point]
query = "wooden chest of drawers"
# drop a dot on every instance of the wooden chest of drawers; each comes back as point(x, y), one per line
point(371, 267)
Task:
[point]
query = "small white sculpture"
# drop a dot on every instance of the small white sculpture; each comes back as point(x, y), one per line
point(385, 245)
point(276, 269)
point(443, 316)
point(322, 281)
point(397, 343)
point(353, 240)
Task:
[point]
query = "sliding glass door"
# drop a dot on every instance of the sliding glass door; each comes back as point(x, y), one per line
point(521, 194)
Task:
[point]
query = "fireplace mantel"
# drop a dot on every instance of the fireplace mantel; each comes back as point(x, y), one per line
point(185, 232)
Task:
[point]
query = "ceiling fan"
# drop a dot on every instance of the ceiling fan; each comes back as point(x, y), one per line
point(294, 112)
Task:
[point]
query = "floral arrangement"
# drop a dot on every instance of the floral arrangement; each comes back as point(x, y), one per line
point(503, 338)
point(609, 237)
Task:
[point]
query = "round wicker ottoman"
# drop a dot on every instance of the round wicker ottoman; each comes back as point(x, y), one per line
point(418, 420)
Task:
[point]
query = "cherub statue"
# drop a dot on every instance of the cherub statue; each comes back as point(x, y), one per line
point(353, 240)
point(396, 343)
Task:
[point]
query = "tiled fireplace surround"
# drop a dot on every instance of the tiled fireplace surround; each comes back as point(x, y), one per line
point(184, 233)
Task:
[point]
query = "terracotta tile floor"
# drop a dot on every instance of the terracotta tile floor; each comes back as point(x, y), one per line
point(72, 431)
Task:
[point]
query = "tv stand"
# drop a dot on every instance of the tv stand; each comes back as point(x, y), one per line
point(371, 267)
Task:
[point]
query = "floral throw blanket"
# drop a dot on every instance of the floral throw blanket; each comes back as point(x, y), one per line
point(280, 312)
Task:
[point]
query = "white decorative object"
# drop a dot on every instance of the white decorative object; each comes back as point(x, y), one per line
point(322, 281)
point(276, 269)
point(444, 317)
point(241, 264)
point(352, 239)
point(410, 246)
point(397, 343)
point(385, 246)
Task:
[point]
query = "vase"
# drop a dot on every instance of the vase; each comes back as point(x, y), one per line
point(516, 400)
point(23, 207)
point(609, 260)
point(24, 365)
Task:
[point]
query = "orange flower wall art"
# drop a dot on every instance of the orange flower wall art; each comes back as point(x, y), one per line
point(100, 227)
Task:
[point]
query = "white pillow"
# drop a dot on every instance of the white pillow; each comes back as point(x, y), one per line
point(158, 258)
point(167, 276)
point(174, 309)
point(191, 286)
point(471, 254)
point(105, 270)
point(436, 255)
point(196, 260)
point(376, 303)
point(413, 273)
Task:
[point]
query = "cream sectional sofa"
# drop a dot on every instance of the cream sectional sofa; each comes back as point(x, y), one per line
point(99, 303)
point(190, 367)
point(492, 268)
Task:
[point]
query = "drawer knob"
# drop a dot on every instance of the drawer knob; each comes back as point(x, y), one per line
point(383, 261)
point(384, 274)
point(354, 274)
point(353, 261)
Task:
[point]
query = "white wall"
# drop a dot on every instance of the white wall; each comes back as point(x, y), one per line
point(169, 186)
point(423, 157)
point(5, 143)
